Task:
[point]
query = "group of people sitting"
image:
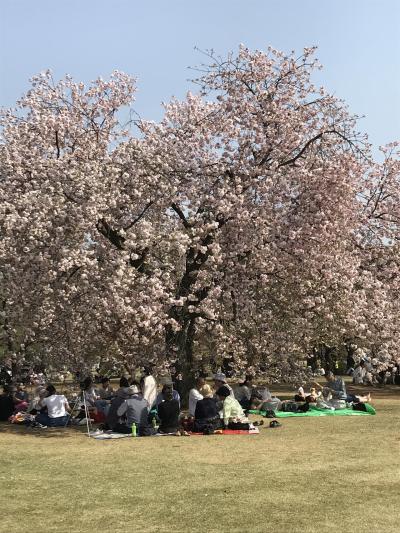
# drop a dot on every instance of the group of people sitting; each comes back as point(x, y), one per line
point(150, 411)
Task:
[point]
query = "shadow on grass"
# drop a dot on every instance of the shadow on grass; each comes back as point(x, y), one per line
point(377, 392)
point(48, 433)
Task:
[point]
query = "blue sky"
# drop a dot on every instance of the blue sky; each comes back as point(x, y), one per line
point(358, 42)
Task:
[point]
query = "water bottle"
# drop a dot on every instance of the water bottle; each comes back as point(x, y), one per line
point(134, 432)
point(154, 423)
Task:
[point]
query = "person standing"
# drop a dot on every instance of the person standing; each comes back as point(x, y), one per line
point(149, 389)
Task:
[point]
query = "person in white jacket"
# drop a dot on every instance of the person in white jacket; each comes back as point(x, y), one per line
point(149, 387)
point(195, 395)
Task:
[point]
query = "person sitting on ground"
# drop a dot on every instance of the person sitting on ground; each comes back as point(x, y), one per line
point(195, 395)
point(7, 402)
point(104, 395)
point(206, 416)
point(105, 392)
point(34, 405)
point(161, 396)
point(335, 389)
point(233, 414)
point(122, 394)
point(90, 394)
point(168, 411)
point(359, 374)
point(134, 410)
point(57, 409)
point(220, 381)
point(22, 395)
point(244, 391)
point(309, 397)
point(149, 387)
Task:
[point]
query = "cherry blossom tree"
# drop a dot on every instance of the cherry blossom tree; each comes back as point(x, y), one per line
point(233, 228)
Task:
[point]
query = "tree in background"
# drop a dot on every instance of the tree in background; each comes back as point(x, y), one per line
point(236, 225)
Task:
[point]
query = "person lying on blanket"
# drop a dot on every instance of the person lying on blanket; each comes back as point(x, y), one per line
point(232, 412)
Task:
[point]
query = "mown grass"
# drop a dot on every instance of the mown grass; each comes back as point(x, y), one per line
point(312, 475)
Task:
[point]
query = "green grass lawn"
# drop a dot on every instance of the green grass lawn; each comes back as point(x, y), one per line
point(333, 474)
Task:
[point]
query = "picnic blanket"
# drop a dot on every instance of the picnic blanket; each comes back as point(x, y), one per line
point(252, 431)
point(112, 435)
point(314, 411)
point(107, 436)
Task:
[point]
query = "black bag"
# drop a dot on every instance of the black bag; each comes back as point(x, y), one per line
point(290, 407)
point(359, 407)
point(303, 408)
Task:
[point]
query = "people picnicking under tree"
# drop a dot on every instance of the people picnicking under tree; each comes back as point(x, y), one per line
point(151, 408)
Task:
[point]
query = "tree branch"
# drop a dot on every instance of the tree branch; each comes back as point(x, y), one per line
point(141, 215)
point(181, 215)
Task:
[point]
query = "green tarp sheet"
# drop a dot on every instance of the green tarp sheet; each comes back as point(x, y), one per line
point(314, 411)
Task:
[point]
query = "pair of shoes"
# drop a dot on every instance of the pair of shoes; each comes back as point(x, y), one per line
point(274, 424)
point(258, 423)
point(182, 433)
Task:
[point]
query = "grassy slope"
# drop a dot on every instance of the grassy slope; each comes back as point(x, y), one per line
point(312, 475)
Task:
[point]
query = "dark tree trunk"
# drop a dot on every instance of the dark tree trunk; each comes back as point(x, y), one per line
point(179, 347)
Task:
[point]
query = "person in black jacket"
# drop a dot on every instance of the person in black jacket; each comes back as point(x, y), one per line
point(168, 411)
point(206, 416)
point(7, 402)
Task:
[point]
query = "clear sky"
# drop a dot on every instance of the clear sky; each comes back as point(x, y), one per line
point(358, 42)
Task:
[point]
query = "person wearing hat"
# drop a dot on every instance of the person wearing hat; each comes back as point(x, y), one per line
point(206, 417)
point(161, 395)
point(220, 381)
point(134, 410)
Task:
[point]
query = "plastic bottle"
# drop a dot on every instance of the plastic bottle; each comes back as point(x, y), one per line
point(154, 423)
point(134, 432)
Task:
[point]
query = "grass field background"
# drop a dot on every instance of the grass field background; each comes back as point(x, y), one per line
point(311, 475)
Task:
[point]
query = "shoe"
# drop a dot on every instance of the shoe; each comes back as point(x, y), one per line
point(274, 424)
point(258, 423)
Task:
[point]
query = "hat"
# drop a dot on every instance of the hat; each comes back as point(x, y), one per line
point(133, 389)
point(220, 377)
point(206, 391)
